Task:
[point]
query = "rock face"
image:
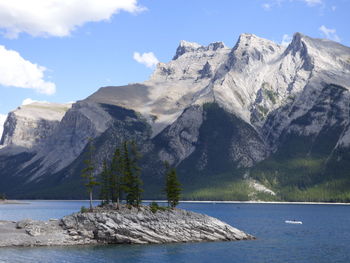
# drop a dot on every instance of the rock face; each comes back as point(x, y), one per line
point(33, 233)
point(214, 112)
point(29, 125)
point(125, 226)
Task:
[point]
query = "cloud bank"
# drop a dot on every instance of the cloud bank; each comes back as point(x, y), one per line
point(57, 17)
point(15, 71)
point(147, 59)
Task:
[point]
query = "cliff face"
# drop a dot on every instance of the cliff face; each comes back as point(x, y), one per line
point(221, 115)
point(29, 125)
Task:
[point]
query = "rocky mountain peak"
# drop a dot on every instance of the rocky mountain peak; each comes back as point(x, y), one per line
point(251, 48)
point(298, 44)
point(300, 47)
point(188, 47)
point(329, 58)
point(246, 40)
point(216, 45)
point(185, 47)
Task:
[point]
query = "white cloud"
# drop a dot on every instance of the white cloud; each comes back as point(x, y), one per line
point(313, 2)
point(2, 120)
point(30, 101)
point(266, 6)
point(329, 33)
point(57, 17)
point(286, 39)
point(272, 3)
point(15, 71)
point(148, 59)
point(333, 8)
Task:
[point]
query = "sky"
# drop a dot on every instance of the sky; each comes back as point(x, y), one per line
point(64, 50)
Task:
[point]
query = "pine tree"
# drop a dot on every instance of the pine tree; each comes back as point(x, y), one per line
point(131, 174)
point(137, 188)
point(105, 184)
point(172, 186)
point(128, 179)
point(2, 196)
point(88, 172)
point(115, 177)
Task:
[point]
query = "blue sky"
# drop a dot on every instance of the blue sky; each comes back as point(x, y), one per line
point(64, 50)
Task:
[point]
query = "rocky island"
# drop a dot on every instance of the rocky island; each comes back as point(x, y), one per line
point(123, 226)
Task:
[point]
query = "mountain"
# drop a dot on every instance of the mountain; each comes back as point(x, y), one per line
point(256, 121)
point(2, 120)
point(29, 125)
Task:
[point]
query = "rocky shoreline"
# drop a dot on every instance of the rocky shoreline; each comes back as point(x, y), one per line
point(124, 226)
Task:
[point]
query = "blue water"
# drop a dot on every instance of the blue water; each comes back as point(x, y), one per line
point(323, 237)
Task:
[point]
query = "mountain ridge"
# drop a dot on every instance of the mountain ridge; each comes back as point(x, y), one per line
point(262, 92)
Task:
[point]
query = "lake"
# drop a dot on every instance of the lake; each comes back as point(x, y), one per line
point(324, 236)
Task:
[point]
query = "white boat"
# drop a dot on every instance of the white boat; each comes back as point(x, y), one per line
point(293, 222)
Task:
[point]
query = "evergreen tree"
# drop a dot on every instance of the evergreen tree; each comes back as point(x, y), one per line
point(137, 188)
point(2, 196)
point(115, 177)
point(105, 184)
point(88, 172)
point(172, 186)
point(131, 174)
point(128, 179)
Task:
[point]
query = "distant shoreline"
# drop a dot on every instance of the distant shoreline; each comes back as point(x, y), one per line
point(266, 202)
point(187, 201)
point(12, 202)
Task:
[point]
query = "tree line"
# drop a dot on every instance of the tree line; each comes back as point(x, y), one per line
point(121, 177)
point(2, 196)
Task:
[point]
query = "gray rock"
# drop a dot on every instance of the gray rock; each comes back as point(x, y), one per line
point(124, 226)
point(29, 125)
point(182, 136)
